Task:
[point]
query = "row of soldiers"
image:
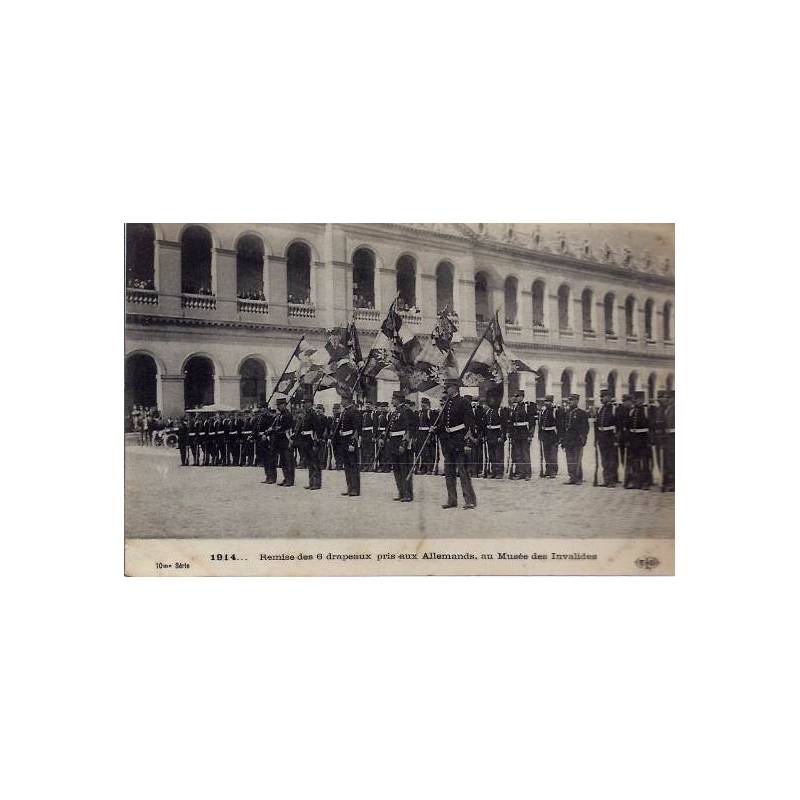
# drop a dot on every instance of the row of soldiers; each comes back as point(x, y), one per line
point(630, 435)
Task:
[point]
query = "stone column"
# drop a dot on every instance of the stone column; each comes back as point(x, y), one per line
point(168, 277)
point(170, 395)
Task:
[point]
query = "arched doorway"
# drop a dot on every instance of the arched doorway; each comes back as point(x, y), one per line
point(633, 382)
point(141, 382)
point(611, 383)
point(252, 382)
point(363, 278)
point(541, 383)
point(196, 261)
point(651, 387)
point(589, 384)
point(537, 294)
point(670, 382)
point(298, 274)
point(407, 282)
point(140, 240)
point(482, 310)
point(444, 286)
point(198, 382)
point(250, 268)
point(566, 384)
point(510, 297)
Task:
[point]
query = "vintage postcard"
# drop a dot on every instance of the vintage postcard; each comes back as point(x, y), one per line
point(399, 399)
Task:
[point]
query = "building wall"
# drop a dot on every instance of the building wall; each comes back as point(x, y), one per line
point(171, 326)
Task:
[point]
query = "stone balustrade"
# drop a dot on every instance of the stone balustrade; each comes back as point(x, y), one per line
point(198, 301)
point(367, 314)
point(411, 317)
point(252, 306)
point(305, 310)
point(144, 296)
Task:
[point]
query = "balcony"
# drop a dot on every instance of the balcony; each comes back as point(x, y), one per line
point(199, 301)
point(588, 333)
point(302, 310)
point(566, 332)
point(246, 306)
point(366, 314)
point(513, 330)
point(540, 330)
point(143, 296)
point(412, 317)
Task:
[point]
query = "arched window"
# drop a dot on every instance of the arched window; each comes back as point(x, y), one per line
point(541, 383)
point(140, 241)
point(407, 282)
point(563, 307)
point(566, 384)
point(537, 292)
point(630, 315)
point(668, 321)
point(608, 311)
point(363, 278)
point(196, 261)
point(298, 274)
point(444, 286)
point(586, 310)
point(250, 268)
point(141, 382)
point(482, 310)
point(633, 382)
point(648, 319)
point(670, 382)
point(589, 382)
point(252, 382)
point(611, 383)
point(510, 293)
point(198, 383)
point(651, 387)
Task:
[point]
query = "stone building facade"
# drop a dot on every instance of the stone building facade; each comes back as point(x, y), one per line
point(213, 311)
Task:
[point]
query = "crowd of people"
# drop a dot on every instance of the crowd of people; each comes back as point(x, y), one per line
point(466, 438)
point(251, 294)
point(148, 423)
point(139, 283)
point(299, 300)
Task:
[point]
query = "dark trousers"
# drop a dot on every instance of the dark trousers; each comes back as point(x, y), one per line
point(352, 475)
point(312, 456)
point(401, 467)
point(575, 463)
point(184, 453)
point(233, 451)
point(193, 450)
point(610, 463)
point(427, 454)
point(497, 455)
point(454, 465)
point(521, 455)
point(367, 453)
point(269, 459)
point(638, 471)
point(550, 450)
point(286, 456)
point(668, 462)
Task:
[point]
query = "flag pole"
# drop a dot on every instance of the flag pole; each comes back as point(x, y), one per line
point(294, 353)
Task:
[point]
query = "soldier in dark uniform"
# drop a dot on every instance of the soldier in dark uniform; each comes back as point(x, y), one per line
point(399, 446)
point(607, 433)
point(456, 426)
point(348, 433)
point(247, 456)
point(311, 432)
point(548, 436)
point(234, 432)
point(425, 444)
point(638, 430)
point(265, 444)
point(218, 444)
point(284, 425)
point(205, 441)
point(335, 446)
point(623, 412)
point(521, 428)
point(227, 421)
point(668, 448)
point(573, 440)
point(192, 433)
point(656, 412)
point(382, 462)
point(495, 426)
point(367, 437)
point(183, 441)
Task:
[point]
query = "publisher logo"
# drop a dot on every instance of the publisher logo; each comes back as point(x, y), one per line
point(647, 562)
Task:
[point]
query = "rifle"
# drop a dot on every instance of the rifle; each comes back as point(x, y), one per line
point(594, 483)
point(485, 452)
point(541, 459)
point(436, 464)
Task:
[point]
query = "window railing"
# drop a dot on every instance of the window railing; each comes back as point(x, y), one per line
point(305, 310)
point(367, 314)
point(248, 306)
point(198, 301)
point(513, 329)
point(412, 317)
point(146, 296)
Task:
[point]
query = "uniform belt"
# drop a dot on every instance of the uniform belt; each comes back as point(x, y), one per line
point(493, 427)
point(640, 430)
point(608, 428)
point(670, 430)
point(367, 429)
point(520, 424)
point(191, 434)
point(247, 431)
point(397, 433)
point(424, 428)
point(456, 428)
point(551, 428)
point(307, 433)
point(381, 429)
point(345, 433)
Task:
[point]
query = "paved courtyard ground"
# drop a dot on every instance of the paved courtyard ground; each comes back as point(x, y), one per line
point(166, 500)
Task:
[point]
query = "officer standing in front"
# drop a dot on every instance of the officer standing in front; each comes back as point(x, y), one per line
point(283, 442)
point(312, 439)
point(605, 429)
point(348, 434)
point(456, 426)
point(399, 446)
point(548, 436)
point(495, 429)
point(573, 440)
point(183, 441)
point(638, 474)
point(521, 426)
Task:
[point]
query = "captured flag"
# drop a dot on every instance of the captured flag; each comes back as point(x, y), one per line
point(344, 351)
point(434, 360)
point(492, 360)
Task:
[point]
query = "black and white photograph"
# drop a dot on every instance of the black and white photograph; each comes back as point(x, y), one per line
point(505, 387)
